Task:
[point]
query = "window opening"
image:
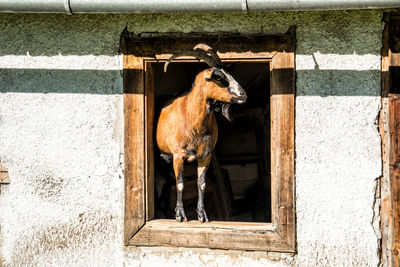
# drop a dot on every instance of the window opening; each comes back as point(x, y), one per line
point(238, 179)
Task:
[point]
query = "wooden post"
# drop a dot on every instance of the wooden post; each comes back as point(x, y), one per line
point(134, 135)
point(282, 141)
point(149, 120)
point(389, 126)
point(394, 163)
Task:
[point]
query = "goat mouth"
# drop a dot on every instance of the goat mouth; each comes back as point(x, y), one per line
point(239, 99)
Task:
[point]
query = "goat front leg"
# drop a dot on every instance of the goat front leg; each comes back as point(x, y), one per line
point(201, 187)
point(178, 170)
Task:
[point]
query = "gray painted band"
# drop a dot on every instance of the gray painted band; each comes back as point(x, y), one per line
point(159, 6)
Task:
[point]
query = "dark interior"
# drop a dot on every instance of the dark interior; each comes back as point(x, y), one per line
point(238, 179)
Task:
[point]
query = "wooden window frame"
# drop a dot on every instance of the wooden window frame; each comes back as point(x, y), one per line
point(139, 227)
point(388, 189)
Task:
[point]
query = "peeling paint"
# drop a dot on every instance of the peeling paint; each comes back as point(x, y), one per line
point(376, 218)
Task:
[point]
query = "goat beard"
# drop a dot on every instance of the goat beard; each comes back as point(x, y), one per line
point(225, 111)
point(220, 106)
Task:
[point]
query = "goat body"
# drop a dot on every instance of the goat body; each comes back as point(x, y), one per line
point(187, 129)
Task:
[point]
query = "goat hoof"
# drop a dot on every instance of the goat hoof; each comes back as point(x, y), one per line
point(202, 216)
point(180, 215)
point(203, 219)
point(181, 219)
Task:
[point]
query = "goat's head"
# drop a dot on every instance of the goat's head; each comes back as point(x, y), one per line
point(219, 84)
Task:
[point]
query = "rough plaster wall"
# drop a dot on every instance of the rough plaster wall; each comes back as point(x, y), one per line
point(337, 141)
point(61, 138)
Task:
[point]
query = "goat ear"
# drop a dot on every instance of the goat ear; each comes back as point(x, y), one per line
point(225, 111)
point(209, 74)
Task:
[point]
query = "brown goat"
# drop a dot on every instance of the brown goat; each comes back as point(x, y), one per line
point(187, 128)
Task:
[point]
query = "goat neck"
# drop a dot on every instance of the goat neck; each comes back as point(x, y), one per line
point(196, 106)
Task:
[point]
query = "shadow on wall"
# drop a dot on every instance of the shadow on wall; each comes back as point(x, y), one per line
point(338, 83)
point(60, 81)
point(328, 32)
point(309, 82)
point(60, 34)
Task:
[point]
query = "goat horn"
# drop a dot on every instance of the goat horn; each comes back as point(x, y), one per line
point(210, 50)
point(205, 47)
point(197, 54)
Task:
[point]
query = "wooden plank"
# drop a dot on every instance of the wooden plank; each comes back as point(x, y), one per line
point(394, 159)
point(389, 125)
point(149, 119)
point(240, 226)
point(221, 235)
point(395, 60)
point(134, 145)
point(227, 56)
point(228, 46)
point(385, 250)
point(282, 142)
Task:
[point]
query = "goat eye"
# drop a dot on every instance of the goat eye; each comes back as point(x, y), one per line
point(223, 82)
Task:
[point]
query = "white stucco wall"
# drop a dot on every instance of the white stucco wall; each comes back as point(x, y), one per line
point(61, 138)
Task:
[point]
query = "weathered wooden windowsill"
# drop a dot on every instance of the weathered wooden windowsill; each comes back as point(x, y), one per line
point(218, 234)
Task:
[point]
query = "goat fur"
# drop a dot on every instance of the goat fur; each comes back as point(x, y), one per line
point(187, 130)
